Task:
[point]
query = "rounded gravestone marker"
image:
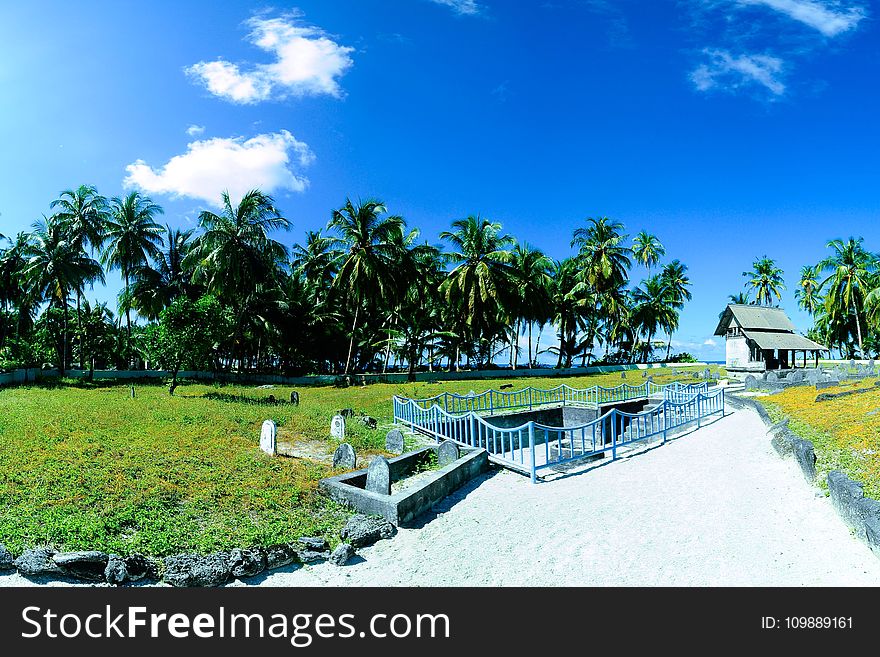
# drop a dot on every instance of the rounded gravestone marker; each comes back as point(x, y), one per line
point(623, 375)
point(271, 399)
point(447, 453)
point(268, 434)
point(394, 441)
point(337, 427)
point(344, 457)
point(294, 398)
point(379, 476)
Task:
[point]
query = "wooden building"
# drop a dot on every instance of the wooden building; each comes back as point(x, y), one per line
point(759, 338)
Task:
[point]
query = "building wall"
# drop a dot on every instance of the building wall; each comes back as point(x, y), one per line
point(737, 351)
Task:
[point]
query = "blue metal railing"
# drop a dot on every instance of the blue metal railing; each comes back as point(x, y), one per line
point(497, 400)
point(533, 446)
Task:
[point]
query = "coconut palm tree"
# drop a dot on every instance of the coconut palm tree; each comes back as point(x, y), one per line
point(56, 266)
point(480, 286)
point(368, 239)
point(604, 258)
point(604, 264)
point(850, 268)
point(647, 249)
point(155, 286)
point(132, 237)
point(83, 212)
point(531, 276)
point(653, 310)
point(766, 279)
point(315, 262)
point(808, 292)
point(740, 298)
point(572, 305)
point(236, 260)
point(677, 282)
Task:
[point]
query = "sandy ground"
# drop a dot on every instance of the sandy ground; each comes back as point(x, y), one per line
point(715, 507)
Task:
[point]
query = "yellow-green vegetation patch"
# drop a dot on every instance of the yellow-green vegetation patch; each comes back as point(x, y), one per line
point(845, 432)
point(89, 467)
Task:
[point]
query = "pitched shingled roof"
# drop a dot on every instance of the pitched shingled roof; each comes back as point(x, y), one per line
point(759, 318)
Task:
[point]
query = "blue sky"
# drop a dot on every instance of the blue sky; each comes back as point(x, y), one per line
point(730, 128)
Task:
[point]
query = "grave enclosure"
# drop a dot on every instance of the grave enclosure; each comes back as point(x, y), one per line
point(532, 429)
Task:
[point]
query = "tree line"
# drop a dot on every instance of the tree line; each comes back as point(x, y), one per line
point(841, 293)
point(363, 294)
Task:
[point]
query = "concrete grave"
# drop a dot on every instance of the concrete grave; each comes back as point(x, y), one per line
point(294, 398)
point(268, 434)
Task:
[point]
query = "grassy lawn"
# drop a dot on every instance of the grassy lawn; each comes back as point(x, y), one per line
point(88, 467)
point(843, 433)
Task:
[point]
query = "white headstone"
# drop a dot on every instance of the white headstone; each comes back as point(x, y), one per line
point(337, 427)
point(267, 438)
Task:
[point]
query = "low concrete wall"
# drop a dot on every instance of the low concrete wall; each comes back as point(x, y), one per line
point(356, 379)
point(406, 506)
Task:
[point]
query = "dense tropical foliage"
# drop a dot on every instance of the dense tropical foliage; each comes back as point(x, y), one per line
point(365, 294)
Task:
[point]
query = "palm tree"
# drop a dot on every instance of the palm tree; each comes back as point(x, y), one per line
point(237, 260)
point(480, 285)
point(647, 249)
point(677, 282)
point(132, 237)
point(766, 280)
point(848, 283)
point(808, 293)
point(369, 240)
point(155, 287)
point(531, 274)
point(83, 212)
point(55, 266)
point(571, 306)
point(653, 309)
point(604, 262)
point(315, 262)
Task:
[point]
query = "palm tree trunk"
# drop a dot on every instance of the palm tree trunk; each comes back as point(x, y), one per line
point(859, 330)
point(513, 339)
point(127, 323)
point(669, 345)
point(79, 329)
point(357, 309)
point(561, 343)
point(64, 341)
point(530, 345)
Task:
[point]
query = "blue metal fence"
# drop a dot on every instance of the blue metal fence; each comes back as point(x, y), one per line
point(532, 447)
point(497, 400)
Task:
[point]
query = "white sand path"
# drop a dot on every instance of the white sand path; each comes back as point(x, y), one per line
point(715, 507)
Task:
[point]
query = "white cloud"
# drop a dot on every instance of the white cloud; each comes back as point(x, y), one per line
point(829, 17)
point(463, 7)
point(709, 342)
point(269, 162)
point(307, 62)
point(729, 73)
point(195, 130)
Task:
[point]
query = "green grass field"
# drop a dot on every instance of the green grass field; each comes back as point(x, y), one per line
point(88, 467)
point(845, 432)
